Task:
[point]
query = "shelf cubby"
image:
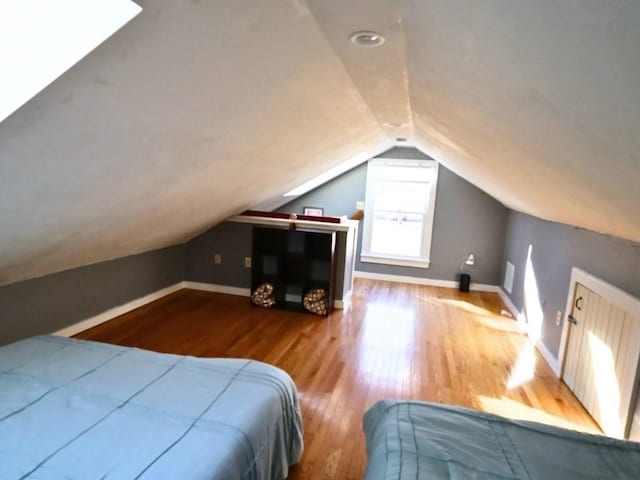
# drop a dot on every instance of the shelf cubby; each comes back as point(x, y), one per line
point(294, 261)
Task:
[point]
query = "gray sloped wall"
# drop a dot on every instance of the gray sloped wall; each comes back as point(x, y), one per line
point(555, 249)
point(49, 303)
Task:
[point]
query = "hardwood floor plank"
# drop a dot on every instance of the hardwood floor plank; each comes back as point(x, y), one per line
point(391, 341)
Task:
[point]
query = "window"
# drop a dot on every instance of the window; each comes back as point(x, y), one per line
point(399, 206)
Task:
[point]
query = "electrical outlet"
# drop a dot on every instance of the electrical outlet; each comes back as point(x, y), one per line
point(247, 262)
point(217, 259)
point(558, 317)
point(360, 205)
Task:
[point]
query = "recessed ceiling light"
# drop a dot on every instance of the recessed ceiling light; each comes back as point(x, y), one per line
point(366, 38)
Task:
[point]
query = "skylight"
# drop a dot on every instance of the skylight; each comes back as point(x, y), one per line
point(328, 175)
point(41, 39)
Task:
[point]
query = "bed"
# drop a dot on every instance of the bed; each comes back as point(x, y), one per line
point(74, 409)
point(411, 440)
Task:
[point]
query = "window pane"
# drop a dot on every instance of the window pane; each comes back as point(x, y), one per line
point(401, 196)
point(405, 173)
point(399, 213)
point(396, 234)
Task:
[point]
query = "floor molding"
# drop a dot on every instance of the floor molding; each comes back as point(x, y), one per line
point(521, 318)
point(517, 314)
point(243, 292)
point(431, 282)
point(213, 287)
point(117, 311)
point(339, 304)
point(549, 357)
point(114, 312)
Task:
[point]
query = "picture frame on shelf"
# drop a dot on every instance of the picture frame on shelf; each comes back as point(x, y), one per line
point(313, 211)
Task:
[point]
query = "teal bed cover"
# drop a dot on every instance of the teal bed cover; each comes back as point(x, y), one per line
point(419, 440)
point(73, 409)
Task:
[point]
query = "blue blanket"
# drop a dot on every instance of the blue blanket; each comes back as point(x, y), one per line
point(72, 409)
point(412, 440)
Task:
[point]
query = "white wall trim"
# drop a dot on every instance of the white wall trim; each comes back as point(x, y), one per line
point(388, 260)
point(517, 314)
point(346, 298)
point(117, 311)
point(480, 287)
point(212, 287)
point(521, 318)
point(551, 360)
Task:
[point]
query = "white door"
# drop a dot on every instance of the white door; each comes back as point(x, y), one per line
point(601, 359)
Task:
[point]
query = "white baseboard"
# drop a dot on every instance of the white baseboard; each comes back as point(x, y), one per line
point(116, 311)
point(551, 360)
point(139, 302)
point(480, 287)
point(517, 314)
point(346, 298)
point(212, 287)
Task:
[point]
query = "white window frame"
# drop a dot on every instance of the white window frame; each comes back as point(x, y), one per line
point(373, 173)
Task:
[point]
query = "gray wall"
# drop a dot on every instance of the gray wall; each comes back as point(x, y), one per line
point(233, 242)
point(466, 220)
point(52, 302)
point(556, 248)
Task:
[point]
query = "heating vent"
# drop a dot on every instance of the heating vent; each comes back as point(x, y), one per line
point(508, 277)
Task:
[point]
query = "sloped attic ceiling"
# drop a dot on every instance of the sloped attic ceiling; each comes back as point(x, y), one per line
point(198, 110)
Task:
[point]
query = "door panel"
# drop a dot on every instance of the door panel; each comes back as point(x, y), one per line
point(599, 363)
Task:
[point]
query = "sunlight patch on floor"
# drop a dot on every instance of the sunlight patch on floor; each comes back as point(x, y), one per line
point(463, 305)
point(524, 369)
point(509, 408)
point(483, 316)
point(387, 342)
point(607, 388)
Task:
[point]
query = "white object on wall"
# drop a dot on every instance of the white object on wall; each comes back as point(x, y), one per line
point(508, 276)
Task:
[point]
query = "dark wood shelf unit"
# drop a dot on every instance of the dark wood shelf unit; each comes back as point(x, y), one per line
point(294, 261)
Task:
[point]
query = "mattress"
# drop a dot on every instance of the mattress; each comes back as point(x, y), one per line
point(74, 409)
point(411, 440)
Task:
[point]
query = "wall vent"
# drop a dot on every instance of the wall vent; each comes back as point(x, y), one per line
point(508, 277)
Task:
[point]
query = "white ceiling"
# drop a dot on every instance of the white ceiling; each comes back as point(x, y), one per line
point(195, 111)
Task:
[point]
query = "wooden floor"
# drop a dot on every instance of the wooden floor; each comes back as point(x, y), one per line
point(393, 340)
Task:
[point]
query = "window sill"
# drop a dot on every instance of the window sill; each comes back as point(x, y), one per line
point(403, 262)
